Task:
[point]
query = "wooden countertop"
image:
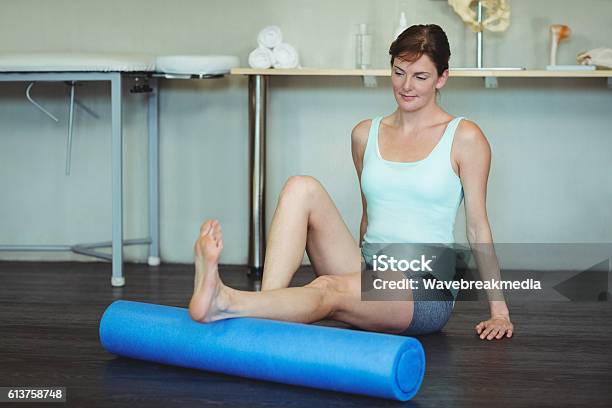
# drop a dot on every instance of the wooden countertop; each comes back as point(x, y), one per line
point(453, 73)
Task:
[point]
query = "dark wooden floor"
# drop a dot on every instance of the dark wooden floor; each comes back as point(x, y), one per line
point(49, 314)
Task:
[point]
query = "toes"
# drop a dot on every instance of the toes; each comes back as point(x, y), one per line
point(206, 227)
point(216, 231)
point(211, 229)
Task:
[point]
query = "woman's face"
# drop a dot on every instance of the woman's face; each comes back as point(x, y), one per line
point(415, 83)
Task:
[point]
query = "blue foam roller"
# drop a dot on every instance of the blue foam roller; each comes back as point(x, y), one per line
point(373, 364)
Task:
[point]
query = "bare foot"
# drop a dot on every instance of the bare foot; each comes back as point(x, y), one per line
point(210, 297)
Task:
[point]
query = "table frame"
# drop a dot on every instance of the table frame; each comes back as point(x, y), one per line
point(117, 242)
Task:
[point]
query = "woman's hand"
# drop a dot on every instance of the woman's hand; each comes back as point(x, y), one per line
point(496, 327)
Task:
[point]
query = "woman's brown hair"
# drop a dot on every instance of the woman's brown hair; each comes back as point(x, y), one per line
point(422, 39)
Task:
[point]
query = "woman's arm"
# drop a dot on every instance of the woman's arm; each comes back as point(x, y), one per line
point(363, 226)
point(359, 139)
point(473, 156)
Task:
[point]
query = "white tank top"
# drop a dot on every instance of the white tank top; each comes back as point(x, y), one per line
point(412, 202)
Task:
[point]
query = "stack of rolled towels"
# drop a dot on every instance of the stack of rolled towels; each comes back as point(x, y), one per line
point(272, 51)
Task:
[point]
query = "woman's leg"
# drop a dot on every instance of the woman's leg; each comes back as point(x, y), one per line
point(336, 297)
point(307, 219)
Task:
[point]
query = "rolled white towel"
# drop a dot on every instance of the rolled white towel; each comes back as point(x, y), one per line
point(285, 56)
point(261, 58)
point(270, 37)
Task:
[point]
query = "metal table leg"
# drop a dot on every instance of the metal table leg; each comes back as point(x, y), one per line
point(257, 171)
point(153, 131)
point(117, 278)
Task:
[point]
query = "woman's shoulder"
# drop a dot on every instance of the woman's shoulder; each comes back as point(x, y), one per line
point(469, 131)
point(360, 132)
point(470, 139)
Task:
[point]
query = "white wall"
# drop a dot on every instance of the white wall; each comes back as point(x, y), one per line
point(551, 178)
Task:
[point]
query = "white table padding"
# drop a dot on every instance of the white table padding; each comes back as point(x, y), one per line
point(76, 62)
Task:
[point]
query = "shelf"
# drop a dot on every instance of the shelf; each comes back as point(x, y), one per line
point(453, 73)
point(490, 75)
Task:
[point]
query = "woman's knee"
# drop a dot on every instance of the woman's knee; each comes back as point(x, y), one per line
point(302, 187)
point(340, 290)
point(332, 288)
point(343, 300)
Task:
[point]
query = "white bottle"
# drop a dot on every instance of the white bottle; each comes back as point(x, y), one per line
point(363, 50)
point(403, 24)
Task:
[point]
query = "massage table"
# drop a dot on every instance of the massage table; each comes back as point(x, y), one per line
point(112, 68)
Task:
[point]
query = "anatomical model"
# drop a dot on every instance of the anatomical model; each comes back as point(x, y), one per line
point(497, 11)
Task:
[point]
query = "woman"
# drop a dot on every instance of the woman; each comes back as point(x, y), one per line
point(397, 150)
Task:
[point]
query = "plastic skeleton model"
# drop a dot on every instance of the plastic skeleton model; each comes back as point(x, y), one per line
point(601, 57)
point(558, 33)
point(497, 12)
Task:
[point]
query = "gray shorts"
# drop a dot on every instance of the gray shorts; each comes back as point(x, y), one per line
point(432, 307)
point(431, 311)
